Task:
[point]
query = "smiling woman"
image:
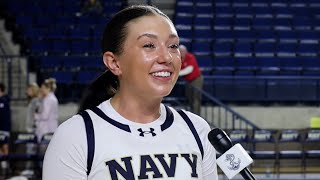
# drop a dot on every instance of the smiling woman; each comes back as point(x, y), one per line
point(123, 106)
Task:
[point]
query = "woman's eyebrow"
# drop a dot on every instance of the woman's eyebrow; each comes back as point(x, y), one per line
point(153, 36)
point(147, 35)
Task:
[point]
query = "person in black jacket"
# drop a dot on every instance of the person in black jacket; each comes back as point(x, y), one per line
point(5, 122)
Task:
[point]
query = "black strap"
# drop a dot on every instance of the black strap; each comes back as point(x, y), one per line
point(90, 139)
point(193, 129)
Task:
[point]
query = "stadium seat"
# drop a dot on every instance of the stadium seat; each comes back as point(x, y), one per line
point(34, 34)
point(244, 36)
point(305, 50)
point(201, 48)
point(287, 36)
point(262, 23)
point(43, 20)
point(242, 23)
point(286, 50)
point(223, 66)
point(80, 46)
point(57, 32)
point(60, 47)
point(308, 37)
point(290, 149)
point(312, 150)
point(205, 63)
point(80, 32)
point(246, 64)
point(264, 49)
point(311, 66)
point(264, 150)
point(242, 49)
point(265, 36)
point(223, 36)
point(290, 66)
point(18, 152)
point(40, 47)
point(242, 137)
point(50, 63)
point(43, 144)
point(203, 35)
point(222, 23)
point(223, 49)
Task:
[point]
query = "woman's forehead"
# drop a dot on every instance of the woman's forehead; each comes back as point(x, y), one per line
point(156, 23)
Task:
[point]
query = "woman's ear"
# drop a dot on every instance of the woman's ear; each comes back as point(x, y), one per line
point(111, 62)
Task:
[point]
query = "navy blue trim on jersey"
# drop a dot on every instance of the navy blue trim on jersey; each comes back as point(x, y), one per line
point(169, 119)
point(90, 139)
point(109, 120)
point(192, 128)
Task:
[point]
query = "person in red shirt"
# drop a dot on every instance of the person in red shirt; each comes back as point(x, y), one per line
point(191, 73)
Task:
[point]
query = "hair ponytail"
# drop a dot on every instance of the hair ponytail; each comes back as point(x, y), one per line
point(101, 89)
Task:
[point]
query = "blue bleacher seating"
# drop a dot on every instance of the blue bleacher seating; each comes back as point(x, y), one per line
point(80, 46)
point(286, 50)
point(243, 49)
point(223, 65)
point(311, 149)
point(244, 36)
point(224, 36)
point(201, 48)
point(264, 148)
point(203, 35)
point(222, 49)
point(290, 146)
point(264, 49)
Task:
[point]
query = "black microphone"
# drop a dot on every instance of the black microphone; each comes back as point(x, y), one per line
point(222, 143)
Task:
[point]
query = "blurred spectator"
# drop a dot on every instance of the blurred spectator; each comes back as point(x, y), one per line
point(92, 7)
point(34, 104)
point(5, 122)
point(192, 74)
point(33, 107)
point(47, 119)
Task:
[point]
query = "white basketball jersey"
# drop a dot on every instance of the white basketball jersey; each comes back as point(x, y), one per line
point(164, 149)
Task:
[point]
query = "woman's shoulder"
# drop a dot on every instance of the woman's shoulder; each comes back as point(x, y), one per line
point(72, 126)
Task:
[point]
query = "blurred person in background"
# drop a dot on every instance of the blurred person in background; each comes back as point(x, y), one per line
point(34, 104)
point(47, 119)
point(92, 7)
point(5, 123)
point(192, 74)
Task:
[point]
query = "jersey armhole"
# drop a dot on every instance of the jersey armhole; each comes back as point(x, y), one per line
point(90, 139)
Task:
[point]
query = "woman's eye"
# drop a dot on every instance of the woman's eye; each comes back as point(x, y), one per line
point(149, 46)
point(174, 46)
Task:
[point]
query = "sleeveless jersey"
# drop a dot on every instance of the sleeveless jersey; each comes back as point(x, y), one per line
point(164, 149)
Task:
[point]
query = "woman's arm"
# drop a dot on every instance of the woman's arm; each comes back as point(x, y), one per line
point(66, 155)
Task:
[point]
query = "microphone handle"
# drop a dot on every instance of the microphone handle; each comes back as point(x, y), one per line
point(247, 175)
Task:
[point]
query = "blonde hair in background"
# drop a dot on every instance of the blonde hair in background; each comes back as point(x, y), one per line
point(34, 88)
point(51, 84)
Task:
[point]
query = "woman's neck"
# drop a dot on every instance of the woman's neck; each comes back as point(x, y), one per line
point(135, 109)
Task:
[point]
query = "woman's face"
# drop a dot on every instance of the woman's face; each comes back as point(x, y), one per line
point(30, 92)
point(44, 91)
point(150, 62)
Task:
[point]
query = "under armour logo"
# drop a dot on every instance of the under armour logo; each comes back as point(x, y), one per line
point(146, 132)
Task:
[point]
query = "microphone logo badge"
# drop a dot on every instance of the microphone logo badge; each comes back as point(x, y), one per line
point(235, 165)
point(142, 133)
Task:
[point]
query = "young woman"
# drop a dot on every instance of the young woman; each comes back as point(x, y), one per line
point(47, 118)
point(123, 130)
